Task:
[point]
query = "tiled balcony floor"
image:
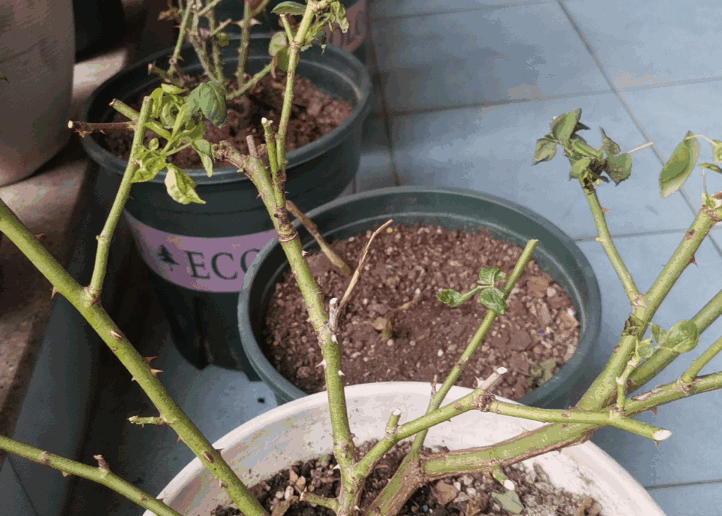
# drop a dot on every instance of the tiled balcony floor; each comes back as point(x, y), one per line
point(464, 94)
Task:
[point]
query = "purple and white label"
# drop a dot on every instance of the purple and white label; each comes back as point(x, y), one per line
point(204, 264)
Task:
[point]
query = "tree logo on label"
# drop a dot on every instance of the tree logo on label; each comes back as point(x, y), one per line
point(165, 256)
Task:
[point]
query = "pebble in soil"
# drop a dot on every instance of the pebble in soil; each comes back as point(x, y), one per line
point(410, 265)
point(462, 495)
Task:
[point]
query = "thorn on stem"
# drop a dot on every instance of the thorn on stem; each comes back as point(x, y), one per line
point(605, 210)
point(102, 463)
point(45, 458)
point(692, 261)
point(148, 360)
point(155, 372)
point(208, 457)
point(116, 335)
point(65, 474)
point(53, 293)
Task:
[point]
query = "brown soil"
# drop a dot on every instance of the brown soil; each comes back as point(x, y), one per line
point(464, 495)
point(313, 115)
point(538, 334)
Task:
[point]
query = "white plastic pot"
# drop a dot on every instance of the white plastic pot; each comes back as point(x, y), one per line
point(301, 429)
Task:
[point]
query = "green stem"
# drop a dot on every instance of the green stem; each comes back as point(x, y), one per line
point(334, 258)
point(476, 340)
point(664, 356)
point(603, 386)
point(243, 47)
point(106, 235)
point(691, 373)
point(679, 261)
point(140, 371)
point(605, 238)
point(181, 38)
point(251, 83)
point(96, 474)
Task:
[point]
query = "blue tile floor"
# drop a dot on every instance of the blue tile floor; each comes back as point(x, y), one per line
point(463, 94)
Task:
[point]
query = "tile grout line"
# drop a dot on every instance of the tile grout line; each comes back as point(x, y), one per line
point(384, 101)
point(660, 487)
point(620, 95)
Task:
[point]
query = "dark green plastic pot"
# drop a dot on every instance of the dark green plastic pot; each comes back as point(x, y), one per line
point(556, 254)
point(200, 253)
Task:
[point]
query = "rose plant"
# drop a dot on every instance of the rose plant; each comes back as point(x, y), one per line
point(174, 115)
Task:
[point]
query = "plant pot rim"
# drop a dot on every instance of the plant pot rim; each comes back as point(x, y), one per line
point(230, 174)
point(592, 314)
point(587, 452)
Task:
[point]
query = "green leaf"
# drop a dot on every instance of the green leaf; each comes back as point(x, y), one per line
point(278, 43)
point(193, 130)
point(151, 165)
point(609, 146)
point(292, 8)
point(619, 167)
point(682, 337)
point(660, 336)
point(453, 298)
point(712, 167)
point(338, 15)
point(580, 166)
point(283, 59)
point(181, 186)
point(679, 166)
point(157, 98)
point(580, 146)
point(222, 39)
point(210, 99)
point(509, 501)
point(545, 150)
point(717, 149)
point(490, 275)
point(644, 348)
point(168, 114)
point(563, 125)
point(205, 152)
point(154, 144)
point(493, 299)
point(172, 89)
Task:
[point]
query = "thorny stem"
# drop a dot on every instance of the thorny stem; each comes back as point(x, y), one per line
point(605, 238)
point(334, 258)
point(604, 385)
point(476, 340)
point(289, 240)
point(96, 474)
point(140, 371)
point(101, 257)
point(664, 356)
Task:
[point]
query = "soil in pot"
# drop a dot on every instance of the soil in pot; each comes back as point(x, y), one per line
point(463, 495)
point(406, 269)
point(313, 115)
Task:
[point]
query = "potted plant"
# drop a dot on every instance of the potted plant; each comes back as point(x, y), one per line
point(351, 216)
point(198, 252)
point(635, 361)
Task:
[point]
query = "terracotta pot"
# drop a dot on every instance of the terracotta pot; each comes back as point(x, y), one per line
point(302, 429)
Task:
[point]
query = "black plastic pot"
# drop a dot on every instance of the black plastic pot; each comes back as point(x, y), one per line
point(200, 253)
point(556, 254)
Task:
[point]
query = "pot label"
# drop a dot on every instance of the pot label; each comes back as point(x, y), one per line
point(356, 35)
point(204, 264)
